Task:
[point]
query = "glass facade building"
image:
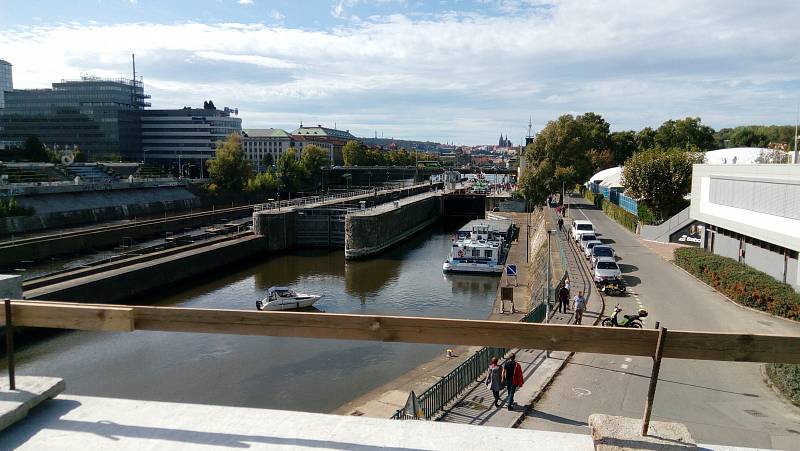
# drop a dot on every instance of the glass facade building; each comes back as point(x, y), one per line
point(186, 136)
point(6, 80)
point(100, 116)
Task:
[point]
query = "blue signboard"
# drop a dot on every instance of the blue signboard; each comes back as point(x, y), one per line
point(511, 270)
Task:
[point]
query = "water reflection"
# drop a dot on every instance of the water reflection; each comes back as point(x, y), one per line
point(274, 372)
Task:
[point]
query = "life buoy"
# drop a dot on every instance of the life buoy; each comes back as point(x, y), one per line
point(460, 252)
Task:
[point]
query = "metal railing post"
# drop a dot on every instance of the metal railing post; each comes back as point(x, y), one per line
point(10, 345)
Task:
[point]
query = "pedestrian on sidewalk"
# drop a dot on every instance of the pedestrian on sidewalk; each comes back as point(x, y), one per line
point(580, 306)
point(512, 378)
point(560, 224)
point(494, 380)
point(563, 299)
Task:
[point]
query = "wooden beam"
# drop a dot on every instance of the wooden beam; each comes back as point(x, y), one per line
point(601, 340)
point(78, 317)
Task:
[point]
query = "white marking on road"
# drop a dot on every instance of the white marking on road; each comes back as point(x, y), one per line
point(581, 392)
point(624, 366)
point(628, 359)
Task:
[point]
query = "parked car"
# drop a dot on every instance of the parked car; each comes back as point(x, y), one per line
point(587, 247)
point(599, 251)
point(581, 226)
point(606, 269)
point(584, 238)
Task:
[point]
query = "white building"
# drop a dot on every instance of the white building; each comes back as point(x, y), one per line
point(258, 143)
point(186, 136)
point(751, 213)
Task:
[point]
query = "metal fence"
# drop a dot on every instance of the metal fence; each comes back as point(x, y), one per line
point(309, 200)
point(451, 385)
point(616, 197)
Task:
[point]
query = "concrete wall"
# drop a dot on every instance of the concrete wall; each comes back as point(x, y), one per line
point(128, 284)
point(277, 227)
point(367, 234)
point(86, 207)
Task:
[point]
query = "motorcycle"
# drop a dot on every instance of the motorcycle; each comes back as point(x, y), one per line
point(612, 287)
point(633, 321)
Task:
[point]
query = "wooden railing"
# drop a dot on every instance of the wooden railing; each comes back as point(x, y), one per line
point(554, 337)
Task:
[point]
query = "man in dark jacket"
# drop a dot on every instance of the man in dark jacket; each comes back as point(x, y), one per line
point(563, 299)
point(512, 378)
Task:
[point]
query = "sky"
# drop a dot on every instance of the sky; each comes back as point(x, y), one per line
point(461, 71)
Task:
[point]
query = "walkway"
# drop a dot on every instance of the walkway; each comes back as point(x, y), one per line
point(476, 406)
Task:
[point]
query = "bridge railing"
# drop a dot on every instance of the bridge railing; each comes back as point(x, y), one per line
point(319, 199)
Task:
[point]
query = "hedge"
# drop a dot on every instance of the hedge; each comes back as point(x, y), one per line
point(752, 288)
point(617, 213)
point(786, 377)
point(743, 284)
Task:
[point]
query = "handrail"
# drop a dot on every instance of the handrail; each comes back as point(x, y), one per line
point(309, 200)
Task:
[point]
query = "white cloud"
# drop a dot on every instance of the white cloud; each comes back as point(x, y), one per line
point(454, 76)
point(245, 2)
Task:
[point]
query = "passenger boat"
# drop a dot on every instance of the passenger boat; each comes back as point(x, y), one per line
point(282, 298)
point(476, 253)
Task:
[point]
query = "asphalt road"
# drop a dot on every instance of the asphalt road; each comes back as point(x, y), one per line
point(720, 402)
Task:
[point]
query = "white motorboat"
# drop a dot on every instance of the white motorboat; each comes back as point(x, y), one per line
point(282, 298)
point(475, 254)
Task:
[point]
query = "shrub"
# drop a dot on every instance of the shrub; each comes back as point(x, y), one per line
point(646, 215)
point(786, 377)
point(10, 207)
point(622, 217)
point(741, 283)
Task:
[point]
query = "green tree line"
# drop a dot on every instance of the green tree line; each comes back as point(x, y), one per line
point(356, 154)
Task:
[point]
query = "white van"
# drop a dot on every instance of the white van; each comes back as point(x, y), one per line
point(581, 226)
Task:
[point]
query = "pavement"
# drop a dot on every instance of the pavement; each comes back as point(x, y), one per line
point(29, 392)
point(719, 402)
point(89, 423)
point(476, 406)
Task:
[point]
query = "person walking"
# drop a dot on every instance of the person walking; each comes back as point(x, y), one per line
point(563, 299)
point(494, 380)
point(561, 224)
point(580, 307)
point(512, 378)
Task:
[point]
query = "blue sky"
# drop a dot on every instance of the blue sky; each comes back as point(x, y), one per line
point(460, 70)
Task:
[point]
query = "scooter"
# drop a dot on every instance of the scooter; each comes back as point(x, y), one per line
point(612, 287)
point(633, 321)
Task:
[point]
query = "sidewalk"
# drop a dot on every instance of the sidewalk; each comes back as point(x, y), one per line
point(476, 407)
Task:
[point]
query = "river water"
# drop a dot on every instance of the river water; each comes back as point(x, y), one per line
point(274, 372)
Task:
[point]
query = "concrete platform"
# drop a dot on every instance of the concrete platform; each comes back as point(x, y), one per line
point(614, 433)
point(80, 423)
point(30, 392)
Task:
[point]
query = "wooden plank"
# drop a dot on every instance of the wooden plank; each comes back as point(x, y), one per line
point(78, 317)
point(602, 340)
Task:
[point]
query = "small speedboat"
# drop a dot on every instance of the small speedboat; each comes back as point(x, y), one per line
point(282, 298)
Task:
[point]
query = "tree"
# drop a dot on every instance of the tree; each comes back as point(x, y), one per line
point(354, 153)
point(660, 178)
point(601, 159)
point(622, 145)
point(313, 159)
point(264, 181)
point(290, 173)
point(595, 130)
point(557, 155)
point(268, 160)
point(228, 169)
point(34, 150)
point(685, 133)
point(749, 137)
point(646, 139)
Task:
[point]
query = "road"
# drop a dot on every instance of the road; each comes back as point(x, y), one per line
point(720, 402)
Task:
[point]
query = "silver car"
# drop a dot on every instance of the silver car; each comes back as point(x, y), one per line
point(606, 269)
point(587, 248)
point(599, 251)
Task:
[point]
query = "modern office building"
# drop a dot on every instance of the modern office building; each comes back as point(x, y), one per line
point(6, 80)
point(750, 213)
point(185, 137)
point(258, 143)
point(98, 115)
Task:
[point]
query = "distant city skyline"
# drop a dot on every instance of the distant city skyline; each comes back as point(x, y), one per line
point(448, 71)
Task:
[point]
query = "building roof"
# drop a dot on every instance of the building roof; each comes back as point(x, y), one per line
point(605, 173)
point(265, 133)
point(323, 132)
point(735, 155)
